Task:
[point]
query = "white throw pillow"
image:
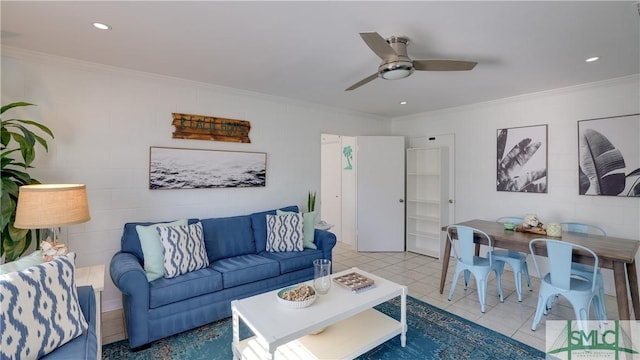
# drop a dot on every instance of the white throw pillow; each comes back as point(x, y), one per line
point(183, 249)
point(40, 309)
point(284, 232)
point(152, 248)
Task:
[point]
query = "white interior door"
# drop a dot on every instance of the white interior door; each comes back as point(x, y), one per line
point(331, 183)
point(349, 165)
point(380, 193)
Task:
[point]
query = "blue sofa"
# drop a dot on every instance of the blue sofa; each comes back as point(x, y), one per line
point(239, 267)
point(84, 346)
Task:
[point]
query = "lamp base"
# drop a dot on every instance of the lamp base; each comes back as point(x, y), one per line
point(50, 245)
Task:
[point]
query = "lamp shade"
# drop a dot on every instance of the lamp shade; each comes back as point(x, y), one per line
point(51, 205)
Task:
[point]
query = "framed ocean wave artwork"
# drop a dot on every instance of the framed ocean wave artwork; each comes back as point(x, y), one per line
point(176, 168)
point(609, 156)
point(522, 159)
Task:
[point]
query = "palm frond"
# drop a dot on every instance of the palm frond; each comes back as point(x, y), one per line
point(513, 162)
point(599, 160)
point(502, 143)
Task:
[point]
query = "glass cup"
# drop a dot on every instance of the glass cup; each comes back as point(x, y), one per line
point(322, 275)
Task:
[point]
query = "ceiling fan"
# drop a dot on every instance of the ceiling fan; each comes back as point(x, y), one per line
point(396, 64)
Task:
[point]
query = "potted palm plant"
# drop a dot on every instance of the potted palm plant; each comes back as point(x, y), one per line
point(18, 151)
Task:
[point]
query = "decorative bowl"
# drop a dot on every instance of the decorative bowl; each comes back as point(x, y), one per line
point(509, 226)
point(295, 304)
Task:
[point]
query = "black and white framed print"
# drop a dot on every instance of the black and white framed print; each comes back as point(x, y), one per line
point(173, 168)
point(522, 159)
point(609, 156)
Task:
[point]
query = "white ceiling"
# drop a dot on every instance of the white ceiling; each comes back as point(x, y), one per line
point(312, 51)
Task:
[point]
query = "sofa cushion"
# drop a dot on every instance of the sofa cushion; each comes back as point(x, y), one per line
point(245, 269)
point(166, 291)
point(228, 237)
point(152, 249)
point(183, 249)
point(259, 226)
point(40, 309)
point(284, 232)
point(293, 261)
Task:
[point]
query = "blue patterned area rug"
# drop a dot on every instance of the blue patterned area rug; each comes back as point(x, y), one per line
point(433, 334)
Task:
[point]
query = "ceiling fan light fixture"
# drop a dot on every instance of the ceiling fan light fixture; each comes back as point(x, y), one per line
point(101, 26)
point(396, 63)
point(396, 70)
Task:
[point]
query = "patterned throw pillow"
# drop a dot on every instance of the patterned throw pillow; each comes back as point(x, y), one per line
point(308, 228)
point(284, 232)
point(40, 309)
point(152, 248)
point(183, 249)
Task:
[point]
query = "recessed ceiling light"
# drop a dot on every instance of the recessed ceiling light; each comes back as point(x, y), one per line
point(592, 59)
point(101, 26)
point(403, 103)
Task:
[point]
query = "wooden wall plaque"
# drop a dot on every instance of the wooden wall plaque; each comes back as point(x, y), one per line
point(200, 127)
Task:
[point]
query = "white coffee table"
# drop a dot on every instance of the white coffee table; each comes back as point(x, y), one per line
point(353, 327)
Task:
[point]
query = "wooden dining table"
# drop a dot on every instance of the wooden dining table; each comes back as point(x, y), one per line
point(613, 253)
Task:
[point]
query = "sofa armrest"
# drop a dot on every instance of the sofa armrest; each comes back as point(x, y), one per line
point(129, 277)
point(325, 241)
point(87, 301)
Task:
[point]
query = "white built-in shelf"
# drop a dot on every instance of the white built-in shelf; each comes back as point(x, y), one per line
point(426, 199)
point(424, 234)
point(423, 174)
point(424, 218)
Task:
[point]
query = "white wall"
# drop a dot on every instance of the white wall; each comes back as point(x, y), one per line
point(105, 119)
point(475, 132)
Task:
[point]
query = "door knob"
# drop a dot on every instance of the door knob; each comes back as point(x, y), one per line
point(401, 200)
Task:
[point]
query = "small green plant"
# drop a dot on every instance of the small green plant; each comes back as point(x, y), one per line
point(311, 201)
point(17, 153)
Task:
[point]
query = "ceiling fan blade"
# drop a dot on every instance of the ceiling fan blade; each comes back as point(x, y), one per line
point(362, 82)
point(378, 45)
point(443, 65)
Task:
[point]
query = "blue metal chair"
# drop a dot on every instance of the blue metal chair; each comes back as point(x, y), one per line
point(580, 292)
point(583, 270)
point(468, 263)
point(516, 260)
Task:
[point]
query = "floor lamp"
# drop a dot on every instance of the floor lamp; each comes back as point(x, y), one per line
point(48, 207)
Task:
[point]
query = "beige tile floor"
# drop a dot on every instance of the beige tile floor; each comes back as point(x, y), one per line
point(422, 275)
